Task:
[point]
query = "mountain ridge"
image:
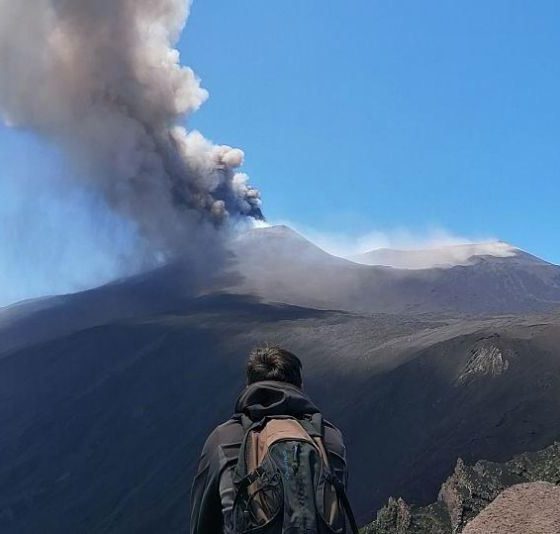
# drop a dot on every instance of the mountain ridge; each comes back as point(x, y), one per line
point(446, 256)
point(278, 264)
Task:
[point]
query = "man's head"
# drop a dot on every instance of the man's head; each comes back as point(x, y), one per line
point(273, 363)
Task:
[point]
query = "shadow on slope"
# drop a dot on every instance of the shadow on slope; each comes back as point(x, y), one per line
point(102, 427)
point(489, 395)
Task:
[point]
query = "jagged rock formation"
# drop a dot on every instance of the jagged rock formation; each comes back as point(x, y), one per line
point(521, 509)
point(488, 358)
point(468, 491)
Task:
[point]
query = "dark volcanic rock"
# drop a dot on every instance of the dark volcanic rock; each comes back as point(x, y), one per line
point(488, 358)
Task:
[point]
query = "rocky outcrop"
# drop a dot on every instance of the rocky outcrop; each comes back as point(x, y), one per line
point(468, 491)
point(396, 515)
point(521, 509)
point(489, 357)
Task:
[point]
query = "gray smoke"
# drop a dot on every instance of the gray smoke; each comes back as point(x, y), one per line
point(102, 80)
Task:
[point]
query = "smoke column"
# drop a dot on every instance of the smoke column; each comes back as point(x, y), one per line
point(101, 79)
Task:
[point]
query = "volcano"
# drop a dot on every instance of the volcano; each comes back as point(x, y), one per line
point(280, 265)
point(106, 396)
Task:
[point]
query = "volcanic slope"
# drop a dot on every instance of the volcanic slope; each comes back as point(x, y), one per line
point(278, 264)
point(104, 413)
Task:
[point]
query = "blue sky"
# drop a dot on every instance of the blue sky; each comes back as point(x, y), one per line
point(356, 117)
point(375, 115)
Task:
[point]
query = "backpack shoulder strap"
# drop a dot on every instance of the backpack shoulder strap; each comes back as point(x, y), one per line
point(245, 421)
point(249, 426)
point(343, 498)
point(315, 428)
point(313, 424)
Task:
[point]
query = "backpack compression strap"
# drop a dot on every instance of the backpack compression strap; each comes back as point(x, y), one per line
point(314, 427)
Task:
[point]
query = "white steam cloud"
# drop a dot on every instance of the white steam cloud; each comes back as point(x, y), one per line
point(403, 249)
point(435, 255)
point(102, 80)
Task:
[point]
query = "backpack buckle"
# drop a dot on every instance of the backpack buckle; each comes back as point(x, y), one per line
point(250, 478)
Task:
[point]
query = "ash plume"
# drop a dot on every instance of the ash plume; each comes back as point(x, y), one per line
point(102, 80)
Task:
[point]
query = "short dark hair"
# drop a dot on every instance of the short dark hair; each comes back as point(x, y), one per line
point(273, 363)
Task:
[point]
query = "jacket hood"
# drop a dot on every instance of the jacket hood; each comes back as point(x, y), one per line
point(270, 398)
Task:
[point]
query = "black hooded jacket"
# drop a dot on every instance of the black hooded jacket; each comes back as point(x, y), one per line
point(212, 491)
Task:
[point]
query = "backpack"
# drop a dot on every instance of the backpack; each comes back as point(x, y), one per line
point(283, 483)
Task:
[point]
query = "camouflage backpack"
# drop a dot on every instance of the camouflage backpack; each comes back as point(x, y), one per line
point(283, 481)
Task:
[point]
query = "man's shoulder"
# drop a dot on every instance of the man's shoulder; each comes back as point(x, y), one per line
point(227, 434)
point(233, 422)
